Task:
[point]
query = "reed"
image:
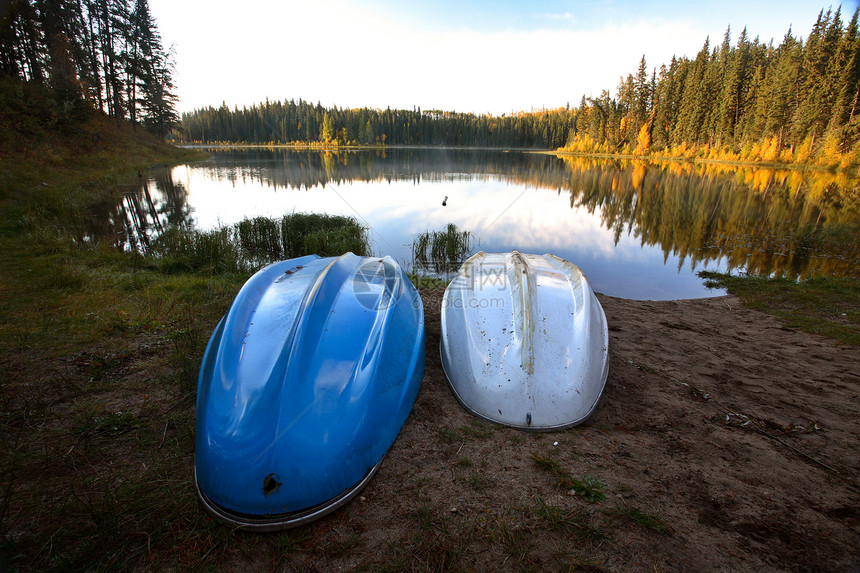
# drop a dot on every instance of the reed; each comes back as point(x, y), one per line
point(260, 236)
point(441, 251)
point(325, 235)
point(337, 241)
point(252, 243)
point(179, 250)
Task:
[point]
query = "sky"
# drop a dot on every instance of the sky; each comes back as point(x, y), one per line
point(476, 56)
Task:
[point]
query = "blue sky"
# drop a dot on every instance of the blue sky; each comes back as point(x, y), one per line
point(471, 56)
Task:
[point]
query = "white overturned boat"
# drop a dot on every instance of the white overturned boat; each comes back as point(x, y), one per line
point(524, 340)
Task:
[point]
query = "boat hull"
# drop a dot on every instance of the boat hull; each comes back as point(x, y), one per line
point(524, 341)
point(303, 388)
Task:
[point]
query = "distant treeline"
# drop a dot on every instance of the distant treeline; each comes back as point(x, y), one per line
point(796, 102)
point(303, 122)
point(87, 54)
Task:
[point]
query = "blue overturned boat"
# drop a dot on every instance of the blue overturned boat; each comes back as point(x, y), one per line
point(304, 386)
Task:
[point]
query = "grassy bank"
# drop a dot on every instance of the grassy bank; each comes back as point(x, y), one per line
point(98, 353)
point(100, 349)
point(826, 306)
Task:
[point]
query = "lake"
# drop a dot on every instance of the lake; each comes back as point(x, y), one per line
point(640, 230)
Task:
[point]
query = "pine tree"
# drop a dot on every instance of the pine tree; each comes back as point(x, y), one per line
point(21, 48)
point(158, 100)
point(327, 129)
point(845, 75)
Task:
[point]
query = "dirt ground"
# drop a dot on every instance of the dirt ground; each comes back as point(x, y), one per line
point(725, 441)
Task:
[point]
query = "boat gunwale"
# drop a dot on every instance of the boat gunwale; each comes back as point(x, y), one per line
point(277, 522)
point(529, 428)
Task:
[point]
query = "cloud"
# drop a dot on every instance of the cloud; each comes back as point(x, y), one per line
point(340, 54)
point(555, 17)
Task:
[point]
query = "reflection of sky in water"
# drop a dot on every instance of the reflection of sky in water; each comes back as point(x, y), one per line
point(502, 216)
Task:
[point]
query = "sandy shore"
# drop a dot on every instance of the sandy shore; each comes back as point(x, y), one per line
point(741, 435)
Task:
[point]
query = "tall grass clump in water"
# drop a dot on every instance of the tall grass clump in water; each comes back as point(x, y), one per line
point(325, 235)
point(260, 237)
point(179, 250)
point(252, 243)
point(441, 251)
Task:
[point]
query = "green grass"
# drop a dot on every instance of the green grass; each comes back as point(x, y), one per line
point(577, 524)
point(325, 235)
point(435, 543)
point(476, 480)
point(826, 306)
point(472, 430)
point(107, 423)
point(423, 282)
point(99, 352)
point(252, 243)
point(519, 545)
point(587, 487)
point(441, 251)
point(644, 519)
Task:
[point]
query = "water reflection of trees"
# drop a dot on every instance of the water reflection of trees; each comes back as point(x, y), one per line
point(288, 169)
point(138, 213)
point(764, 220)
point(799, 223)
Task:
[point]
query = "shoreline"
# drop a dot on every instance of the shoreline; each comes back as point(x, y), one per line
point(803, 167)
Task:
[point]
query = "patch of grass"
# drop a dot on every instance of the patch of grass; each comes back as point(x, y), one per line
point(98, 413)
point(260, 237)
point(577, 524)
point(107, 423)
point(473, 430)
point(644, 519)
point(288, 542)
point(548, 464)
point(476, 480)
point(435, 544)
point(423, 282)
point(335, 242)
point(251, 243)
point(826, 306)
point(324, 235)
point(478, 429)
point(448, 435)
point(589, 488)
point(214, 252)
point(517, 541)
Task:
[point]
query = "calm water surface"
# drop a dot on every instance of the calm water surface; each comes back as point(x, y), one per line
point(637, 230)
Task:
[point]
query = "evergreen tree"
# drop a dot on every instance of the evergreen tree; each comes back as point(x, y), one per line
point(21, 46)
point(158, 99)
point(327, 129)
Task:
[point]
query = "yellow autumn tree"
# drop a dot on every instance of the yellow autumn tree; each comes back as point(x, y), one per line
point(644, 140)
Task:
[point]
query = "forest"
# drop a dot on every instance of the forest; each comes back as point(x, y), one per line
point(87, 55)
point(741, 99)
